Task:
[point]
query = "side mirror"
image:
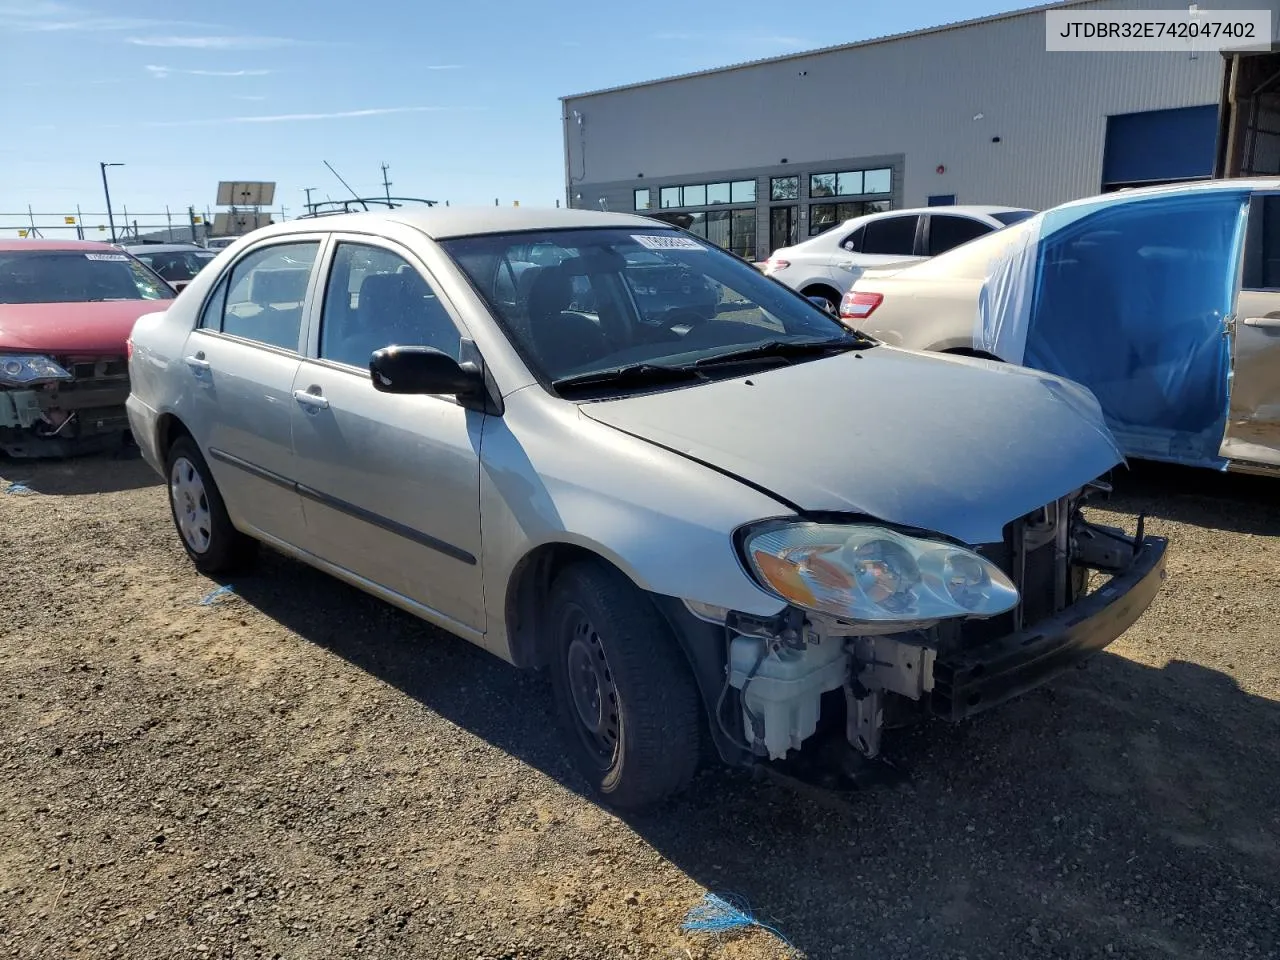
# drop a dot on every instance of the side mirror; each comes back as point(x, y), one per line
point(423, 370)
point(824, 303)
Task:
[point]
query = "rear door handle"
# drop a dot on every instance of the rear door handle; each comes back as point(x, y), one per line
point(1272, 323)
point(198, 364)
point(314, 401)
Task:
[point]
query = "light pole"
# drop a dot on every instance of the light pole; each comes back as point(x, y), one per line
point(110, 218)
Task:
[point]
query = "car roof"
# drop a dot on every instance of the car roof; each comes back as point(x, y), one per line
point(10, 245)
point(984, 210)
point(441, 223)
point(163, 247)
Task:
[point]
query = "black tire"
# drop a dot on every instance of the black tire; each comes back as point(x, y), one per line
point(833, 300)
point(601, 624)
point(221, 548)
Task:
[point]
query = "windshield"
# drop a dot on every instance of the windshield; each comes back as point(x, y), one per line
point(1010, 217)
point(575, 302)
point(176, 265)
point(76, 276)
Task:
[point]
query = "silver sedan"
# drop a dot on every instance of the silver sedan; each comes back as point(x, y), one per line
point(596, 444)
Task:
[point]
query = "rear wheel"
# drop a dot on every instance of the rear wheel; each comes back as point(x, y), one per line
point(204, 527)
point(831, 298)
point(624, 692)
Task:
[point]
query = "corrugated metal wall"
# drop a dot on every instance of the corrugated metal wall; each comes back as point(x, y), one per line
point(917, 96)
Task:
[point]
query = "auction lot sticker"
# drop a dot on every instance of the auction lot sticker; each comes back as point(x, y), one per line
point(666, 242)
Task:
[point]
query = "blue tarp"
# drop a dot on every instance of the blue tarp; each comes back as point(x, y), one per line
point(1128, 295)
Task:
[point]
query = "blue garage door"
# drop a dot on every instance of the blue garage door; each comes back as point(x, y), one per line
point(1160, 146)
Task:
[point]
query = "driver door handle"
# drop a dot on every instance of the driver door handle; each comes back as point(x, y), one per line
point(198, 363)
point(1272, 323)
point(314, 401)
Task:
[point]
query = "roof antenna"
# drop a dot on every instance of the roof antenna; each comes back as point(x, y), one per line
point(343, 182)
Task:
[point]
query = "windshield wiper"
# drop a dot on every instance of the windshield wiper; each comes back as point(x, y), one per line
point(631, 375)
point(787, 348)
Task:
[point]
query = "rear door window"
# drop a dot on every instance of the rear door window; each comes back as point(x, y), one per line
point(266, 294)
point(853, 242)
point(947, 232)
point(890, 236)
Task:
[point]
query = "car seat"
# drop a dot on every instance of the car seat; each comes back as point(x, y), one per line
point(562, 340)
point(396, 309)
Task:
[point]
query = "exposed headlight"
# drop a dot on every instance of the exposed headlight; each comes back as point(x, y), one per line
point(17, 369)
point(875, 575)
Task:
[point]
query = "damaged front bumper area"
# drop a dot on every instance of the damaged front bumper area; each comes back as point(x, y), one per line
point(785, 683)
point(967, 681)
point(80, 412)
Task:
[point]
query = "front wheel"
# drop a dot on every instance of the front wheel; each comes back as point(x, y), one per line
point(624, 692)
point(211, 541)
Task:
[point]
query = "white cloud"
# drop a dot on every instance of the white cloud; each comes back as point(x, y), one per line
point(48, 16)
point(445, 66)
point(161, 72)
point(291, 117)
point(215, 43)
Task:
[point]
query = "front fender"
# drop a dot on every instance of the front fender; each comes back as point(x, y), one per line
point(551, 477)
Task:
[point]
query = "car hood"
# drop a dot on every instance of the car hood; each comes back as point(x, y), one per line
point(954, 445)
point(72, 328)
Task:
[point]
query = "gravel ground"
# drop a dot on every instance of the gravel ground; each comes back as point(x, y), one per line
point(301, 772)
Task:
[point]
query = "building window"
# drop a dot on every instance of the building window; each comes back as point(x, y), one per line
point(850, 183)
point(642, 199)
point(822, 185)
point(695, 196)
point(824, 216)
point(784, 188)
point(742, 231)
point(669, 197)
point(743, 191)
point(877, 181)
point(718, 193)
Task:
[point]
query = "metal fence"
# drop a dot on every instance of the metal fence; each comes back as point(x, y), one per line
point(169, 225)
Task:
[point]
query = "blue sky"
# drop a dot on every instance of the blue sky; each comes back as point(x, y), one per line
point(461, 99)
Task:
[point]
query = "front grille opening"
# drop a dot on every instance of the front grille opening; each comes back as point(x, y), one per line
point(1031, 554)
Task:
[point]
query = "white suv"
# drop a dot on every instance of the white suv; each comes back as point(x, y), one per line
point(825, 266)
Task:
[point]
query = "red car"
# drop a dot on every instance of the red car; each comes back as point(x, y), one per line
point(67, 308)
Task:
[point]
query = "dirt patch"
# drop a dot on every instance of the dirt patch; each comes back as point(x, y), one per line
point(299, 771)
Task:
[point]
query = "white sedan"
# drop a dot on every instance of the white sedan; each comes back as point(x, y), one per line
point(823, 267)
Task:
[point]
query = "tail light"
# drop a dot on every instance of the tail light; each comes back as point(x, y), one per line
point(859, 304)
point(128, 348)
point(773, 264)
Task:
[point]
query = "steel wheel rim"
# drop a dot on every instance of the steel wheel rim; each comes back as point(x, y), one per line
point(190, 503)
point(592, 690)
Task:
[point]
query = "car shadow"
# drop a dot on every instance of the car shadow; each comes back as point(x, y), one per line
point(112, 472)
point(1123, 810)
point(1237, 502)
